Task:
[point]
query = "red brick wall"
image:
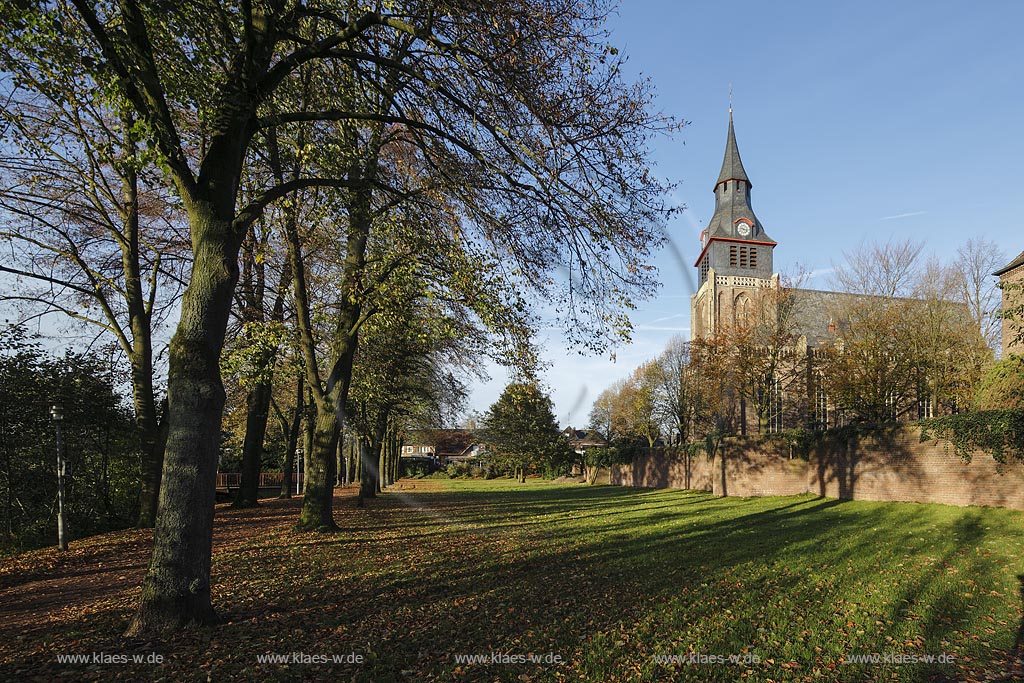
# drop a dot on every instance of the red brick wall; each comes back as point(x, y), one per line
point(887, 465)
point(662, 469)
point(752, 469)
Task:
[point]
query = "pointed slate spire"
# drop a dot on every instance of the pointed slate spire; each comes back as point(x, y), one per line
point(732, 166)
point(732, 198)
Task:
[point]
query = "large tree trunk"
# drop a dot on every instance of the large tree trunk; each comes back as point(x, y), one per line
point(317, 508)
point(176, 590)
point(257, 405)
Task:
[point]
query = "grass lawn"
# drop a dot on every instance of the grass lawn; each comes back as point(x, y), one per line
point(609, 580)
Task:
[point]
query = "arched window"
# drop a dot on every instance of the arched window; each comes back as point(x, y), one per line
point(741, 309)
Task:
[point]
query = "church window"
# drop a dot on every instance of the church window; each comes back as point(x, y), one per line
point(741, 310)
point(733, 260)
point(924, 407)
point(820, 410)
point(743, 257)
point(704, 270)
point(753, 258)
point(891, 406)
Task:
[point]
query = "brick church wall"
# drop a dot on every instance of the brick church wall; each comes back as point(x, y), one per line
point(885, 465)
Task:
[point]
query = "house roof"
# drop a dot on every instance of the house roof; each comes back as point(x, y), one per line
point(584, 437)
point(1019, 261)
point(453, 441)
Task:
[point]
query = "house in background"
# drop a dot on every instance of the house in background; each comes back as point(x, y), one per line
point(418, 449)
point(1013, 298)
point(448, 446)
point(582, 440)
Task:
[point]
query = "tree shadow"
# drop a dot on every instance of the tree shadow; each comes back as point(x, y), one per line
point(843, 458)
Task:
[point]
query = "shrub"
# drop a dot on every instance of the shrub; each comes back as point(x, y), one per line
point(457, 470)
point(1002, 386)
point(1000, 433)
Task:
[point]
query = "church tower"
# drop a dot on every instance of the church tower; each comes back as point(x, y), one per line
point(735, 263)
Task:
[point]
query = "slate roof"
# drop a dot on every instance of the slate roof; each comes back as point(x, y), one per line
point(814, 313)
point(732, 165)
point(1019, 261)
point(732, 205)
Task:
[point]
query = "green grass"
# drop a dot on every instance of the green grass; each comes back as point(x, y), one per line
point(609, 578)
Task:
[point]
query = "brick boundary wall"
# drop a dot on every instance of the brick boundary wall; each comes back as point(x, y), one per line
point(888, 464)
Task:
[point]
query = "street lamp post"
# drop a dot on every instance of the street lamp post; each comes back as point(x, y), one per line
point(298, 469)
point(57, 413)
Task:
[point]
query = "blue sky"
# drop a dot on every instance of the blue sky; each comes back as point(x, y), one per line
point(856, 121)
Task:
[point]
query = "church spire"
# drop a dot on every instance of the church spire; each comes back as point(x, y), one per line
point(732, 166)
point(734, 217)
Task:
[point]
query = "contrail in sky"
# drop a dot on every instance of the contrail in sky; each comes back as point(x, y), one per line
point(902, 215)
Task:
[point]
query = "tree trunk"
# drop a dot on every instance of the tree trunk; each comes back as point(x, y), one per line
point(352, 473)
point(332, 394)
point(257, 404)
point(357, 456)
point(317, 514)
point(396, 455)
point(368, 470)
point(724, 470)
point(340, 458)
point(293, 441)
point(152, 437)
point(140, 348)
point(259, 397)
point(380, 449)
point(308, 437)
point(176, 590)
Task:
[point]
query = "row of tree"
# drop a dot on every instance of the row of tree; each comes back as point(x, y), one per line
point(355, 200)
point(906, 337)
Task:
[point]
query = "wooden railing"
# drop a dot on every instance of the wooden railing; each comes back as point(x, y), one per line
point(232, 480)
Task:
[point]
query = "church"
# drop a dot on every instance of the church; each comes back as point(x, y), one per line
point(736, 282)
point(735, 262)
point(735, 265)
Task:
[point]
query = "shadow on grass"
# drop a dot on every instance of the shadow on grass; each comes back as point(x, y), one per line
point(606, 577)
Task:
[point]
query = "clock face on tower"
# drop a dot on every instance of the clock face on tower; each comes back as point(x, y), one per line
point(743, 229)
